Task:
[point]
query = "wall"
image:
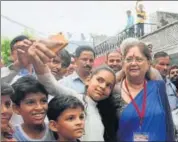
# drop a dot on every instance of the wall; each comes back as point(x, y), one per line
point(165, 39)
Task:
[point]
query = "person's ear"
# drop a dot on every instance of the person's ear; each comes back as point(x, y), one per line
point(87, 80)
point(16, 109)
point(53, 125)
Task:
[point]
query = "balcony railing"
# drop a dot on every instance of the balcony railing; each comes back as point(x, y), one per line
point(113, 42)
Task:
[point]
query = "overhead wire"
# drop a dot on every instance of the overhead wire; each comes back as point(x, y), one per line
point(23, 25)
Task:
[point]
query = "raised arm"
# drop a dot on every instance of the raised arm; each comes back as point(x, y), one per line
point(9, 72)
point(39, 55)
point(53, 87)
point(136, 6)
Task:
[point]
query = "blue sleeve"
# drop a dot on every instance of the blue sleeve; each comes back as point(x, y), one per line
point(127, 24)
point(169, 121)
point(132, 21)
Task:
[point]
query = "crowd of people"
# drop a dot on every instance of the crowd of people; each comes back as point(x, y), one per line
point(56, 96)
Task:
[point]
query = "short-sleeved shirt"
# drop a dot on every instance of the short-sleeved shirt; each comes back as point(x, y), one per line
point(74, 82)
point(23, 72)
point(20, 135)
point(141, 16)
point(130, 22)
point(171, 92)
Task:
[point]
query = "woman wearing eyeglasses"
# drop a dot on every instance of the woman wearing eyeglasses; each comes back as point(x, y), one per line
point(144, 113)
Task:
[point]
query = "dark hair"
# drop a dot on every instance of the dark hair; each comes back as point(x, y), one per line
point(6, 89)
point(72, 55)
point(173, 67)
point(25, 85)
point(115, 51)
point(65, 58)
point(101, 68)
point(142, 47)
point(128, 11)
point(80, 49)
point(60, 103)
point(107, 110)
point(17, 39)
point(160, 54)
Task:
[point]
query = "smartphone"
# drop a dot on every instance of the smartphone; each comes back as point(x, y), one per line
point(58, 42)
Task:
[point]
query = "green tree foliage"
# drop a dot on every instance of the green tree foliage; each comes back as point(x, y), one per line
point(29, 34)
point(5, 50)
point(5, 46)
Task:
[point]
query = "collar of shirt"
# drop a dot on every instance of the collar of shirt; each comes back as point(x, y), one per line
point(90, 100)
point(75, 76)
point(168, 81)
point(24, 72)
point(171, 85)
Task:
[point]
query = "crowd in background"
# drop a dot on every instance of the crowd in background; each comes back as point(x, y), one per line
point(49, 96)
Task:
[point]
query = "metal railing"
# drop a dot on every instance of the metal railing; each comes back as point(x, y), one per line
point(113, 42)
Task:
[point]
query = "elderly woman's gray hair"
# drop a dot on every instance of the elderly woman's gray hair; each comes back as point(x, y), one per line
point(128, 42)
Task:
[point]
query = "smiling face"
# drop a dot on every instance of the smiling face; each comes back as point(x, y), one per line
point(56, 67)
point(70, 124)
point(135, 63)
point(114, 61)
point(33, 108)
point(100, 85)
point(6, 111)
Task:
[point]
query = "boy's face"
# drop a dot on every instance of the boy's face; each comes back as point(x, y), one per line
point(69, 125)
point(33, 108)
point(6, 111)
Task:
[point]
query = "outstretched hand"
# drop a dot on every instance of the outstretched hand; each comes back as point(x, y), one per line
point(39, 52)
point(39, 55)
point(53, 45)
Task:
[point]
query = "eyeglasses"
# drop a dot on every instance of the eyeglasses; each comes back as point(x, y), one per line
point(137, 59)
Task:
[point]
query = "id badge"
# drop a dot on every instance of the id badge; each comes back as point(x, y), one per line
point(140, 136)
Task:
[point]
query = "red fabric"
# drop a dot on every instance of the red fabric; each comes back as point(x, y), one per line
point(99, 61)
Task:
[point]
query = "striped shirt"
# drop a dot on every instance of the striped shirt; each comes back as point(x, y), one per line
point(141, 16)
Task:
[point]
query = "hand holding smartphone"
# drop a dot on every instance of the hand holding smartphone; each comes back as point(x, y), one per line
point(56, 42)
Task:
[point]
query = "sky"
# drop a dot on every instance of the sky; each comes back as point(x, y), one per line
point(50, 17)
